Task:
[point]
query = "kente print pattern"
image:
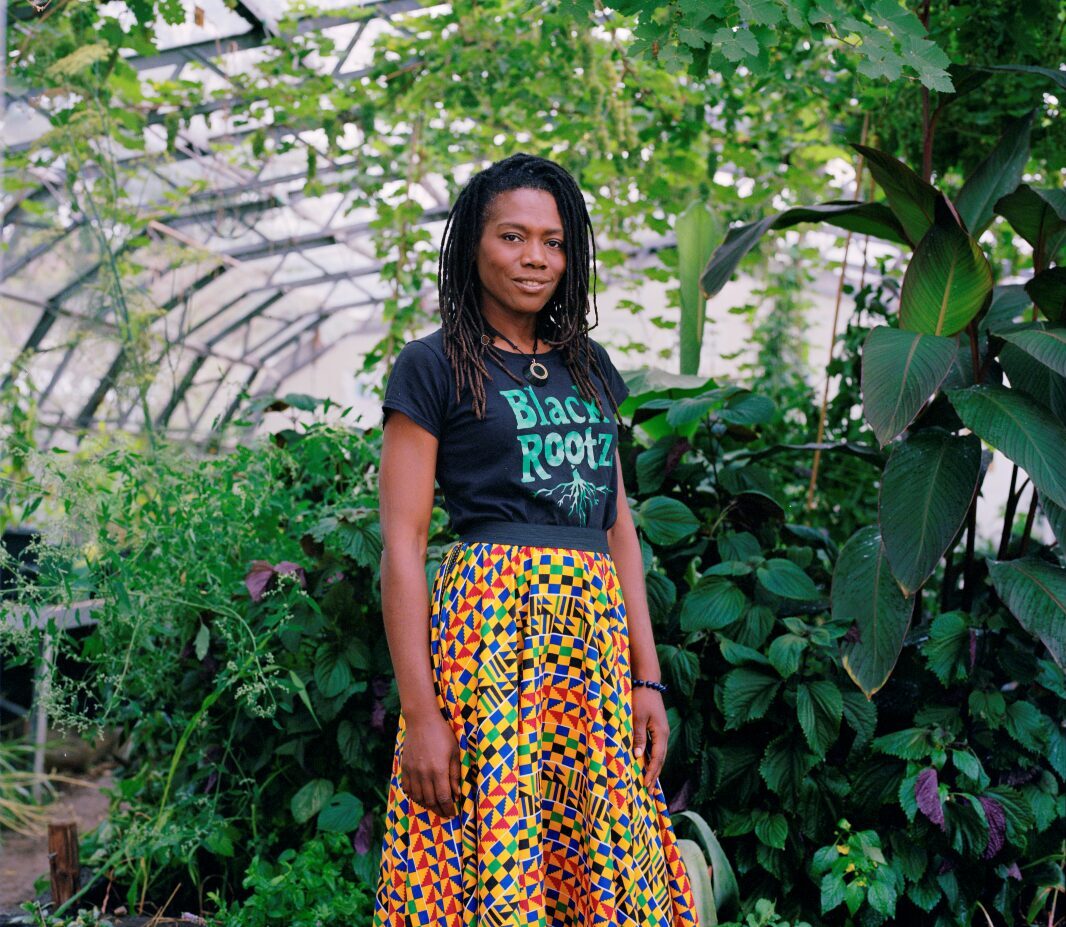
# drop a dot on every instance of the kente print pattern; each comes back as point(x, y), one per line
point(554, 827)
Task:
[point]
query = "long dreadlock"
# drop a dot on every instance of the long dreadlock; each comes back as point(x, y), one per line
point(563, 322)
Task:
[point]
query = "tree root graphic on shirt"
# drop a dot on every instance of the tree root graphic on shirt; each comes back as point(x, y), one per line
point(579, 494)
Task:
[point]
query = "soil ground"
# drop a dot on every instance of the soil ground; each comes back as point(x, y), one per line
point(23, 859)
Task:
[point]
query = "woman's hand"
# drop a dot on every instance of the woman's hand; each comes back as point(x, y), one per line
point(649, 721)
point(430, 765)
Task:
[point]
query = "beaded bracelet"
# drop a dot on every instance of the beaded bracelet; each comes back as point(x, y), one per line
point(657, 686)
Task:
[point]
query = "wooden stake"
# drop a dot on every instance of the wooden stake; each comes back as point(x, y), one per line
point(63, 860)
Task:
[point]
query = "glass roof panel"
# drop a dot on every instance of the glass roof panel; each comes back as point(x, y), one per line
point(219, 22)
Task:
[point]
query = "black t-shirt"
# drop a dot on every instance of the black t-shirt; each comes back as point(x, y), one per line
point(542, 454)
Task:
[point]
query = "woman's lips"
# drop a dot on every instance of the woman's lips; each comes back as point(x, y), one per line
point(531, 286)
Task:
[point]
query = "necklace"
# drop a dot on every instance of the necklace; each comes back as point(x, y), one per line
point(536, 373)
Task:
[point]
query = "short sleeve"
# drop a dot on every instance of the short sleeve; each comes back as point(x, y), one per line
point(615, 383)
point(418, 387)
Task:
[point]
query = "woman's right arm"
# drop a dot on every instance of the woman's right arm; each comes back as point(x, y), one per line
point(430, 758)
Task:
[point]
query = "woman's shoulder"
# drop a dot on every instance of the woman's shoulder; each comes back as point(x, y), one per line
point(426, 350)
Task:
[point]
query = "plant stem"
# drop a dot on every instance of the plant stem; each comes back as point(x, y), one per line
point(836, 318)
point(967, 567)
point(1008, 515)
point(1028, 524)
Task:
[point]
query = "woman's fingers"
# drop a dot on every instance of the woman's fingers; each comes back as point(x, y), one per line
point(442, 787)
point(659, 738)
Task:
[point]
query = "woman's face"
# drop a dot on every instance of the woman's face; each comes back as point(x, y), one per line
point(520, 257)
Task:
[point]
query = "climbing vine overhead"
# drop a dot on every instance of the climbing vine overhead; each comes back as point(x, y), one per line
point(725, 37)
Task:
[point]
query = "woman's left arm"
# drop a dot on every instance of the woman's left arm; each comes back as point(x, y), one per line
point(649, 712)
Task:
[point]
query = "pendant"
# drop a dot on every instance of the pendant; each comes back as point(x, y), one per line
point(537, 373)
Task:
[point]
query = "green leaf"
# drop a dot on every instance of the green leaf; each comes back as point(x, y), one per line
point(1008, 302)
point(203, 641)
point(783, 578)
point(737, 654)
point(1022, 430)
point(341, 814)
point(1052, 74)
point(1048, 290)
point(1047, 345)
point(771, 829)
point(1036, 380)
point(700, 880)
point(1039, 216)
point(967, 763)
point(785, 653)
point(760, 12)
point(311, 799)
point(695, 229)
point(666, 521)
point(745, 408)
point(832, 891)
point(861, 715)
point(947, 281)
point(913, 743)
point(819, 707)
point(900, 372)
point(332, 673)
point(747, 695)
point(684, 669)
point(865, 592)
point(349, 742)
point(996, 176)
point(913, 201)
point(738, 546)
point(1056, 516)
point(661, 594)
point(785, 765)
point(1027, 726)
point(926, 490)
point(873, 219)
point(712, 604)
point(726, 891)
point(881, 896)
point(947, 651)
point(1035, 593)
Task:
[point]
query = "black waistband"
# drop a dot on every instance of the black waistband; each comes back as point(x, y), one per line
point(532, 535)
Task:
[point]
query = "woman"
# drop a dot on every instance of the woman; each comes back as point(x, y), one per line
point(521, 789)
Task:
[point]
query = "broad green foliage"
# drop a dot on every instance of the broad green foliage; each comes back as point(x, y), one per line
point(888, 40)
point(900, 371)
point(926, 491)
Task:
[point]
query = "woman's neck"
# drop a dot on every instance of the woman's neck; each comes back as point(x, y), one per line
point(521, 329)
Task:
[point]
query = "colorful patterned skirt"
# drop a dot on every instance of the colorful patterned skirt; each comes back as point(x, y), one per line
point(554, 827)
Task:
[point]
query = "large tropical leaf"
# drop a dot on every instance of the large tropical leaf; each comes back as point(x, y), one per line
point(726, 890)
point(1058, 76)
point(873, 219)
point(1008, 303)
point(696, 230)
point(926, 490)
point(865, 592)
point(900, 371)
point(699, 877)
point(1048, 290)
point(996, 176)
point(1034, 379)
point(947, 281)
point(1024, 431)
point(1047, 345)
point(1056, 516)
point(1039, 216)
point(1035, 593)
point(912, 199)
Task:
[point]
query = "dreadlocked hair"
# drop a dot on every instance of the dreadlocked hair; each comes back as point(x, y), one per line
point(562, 323)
